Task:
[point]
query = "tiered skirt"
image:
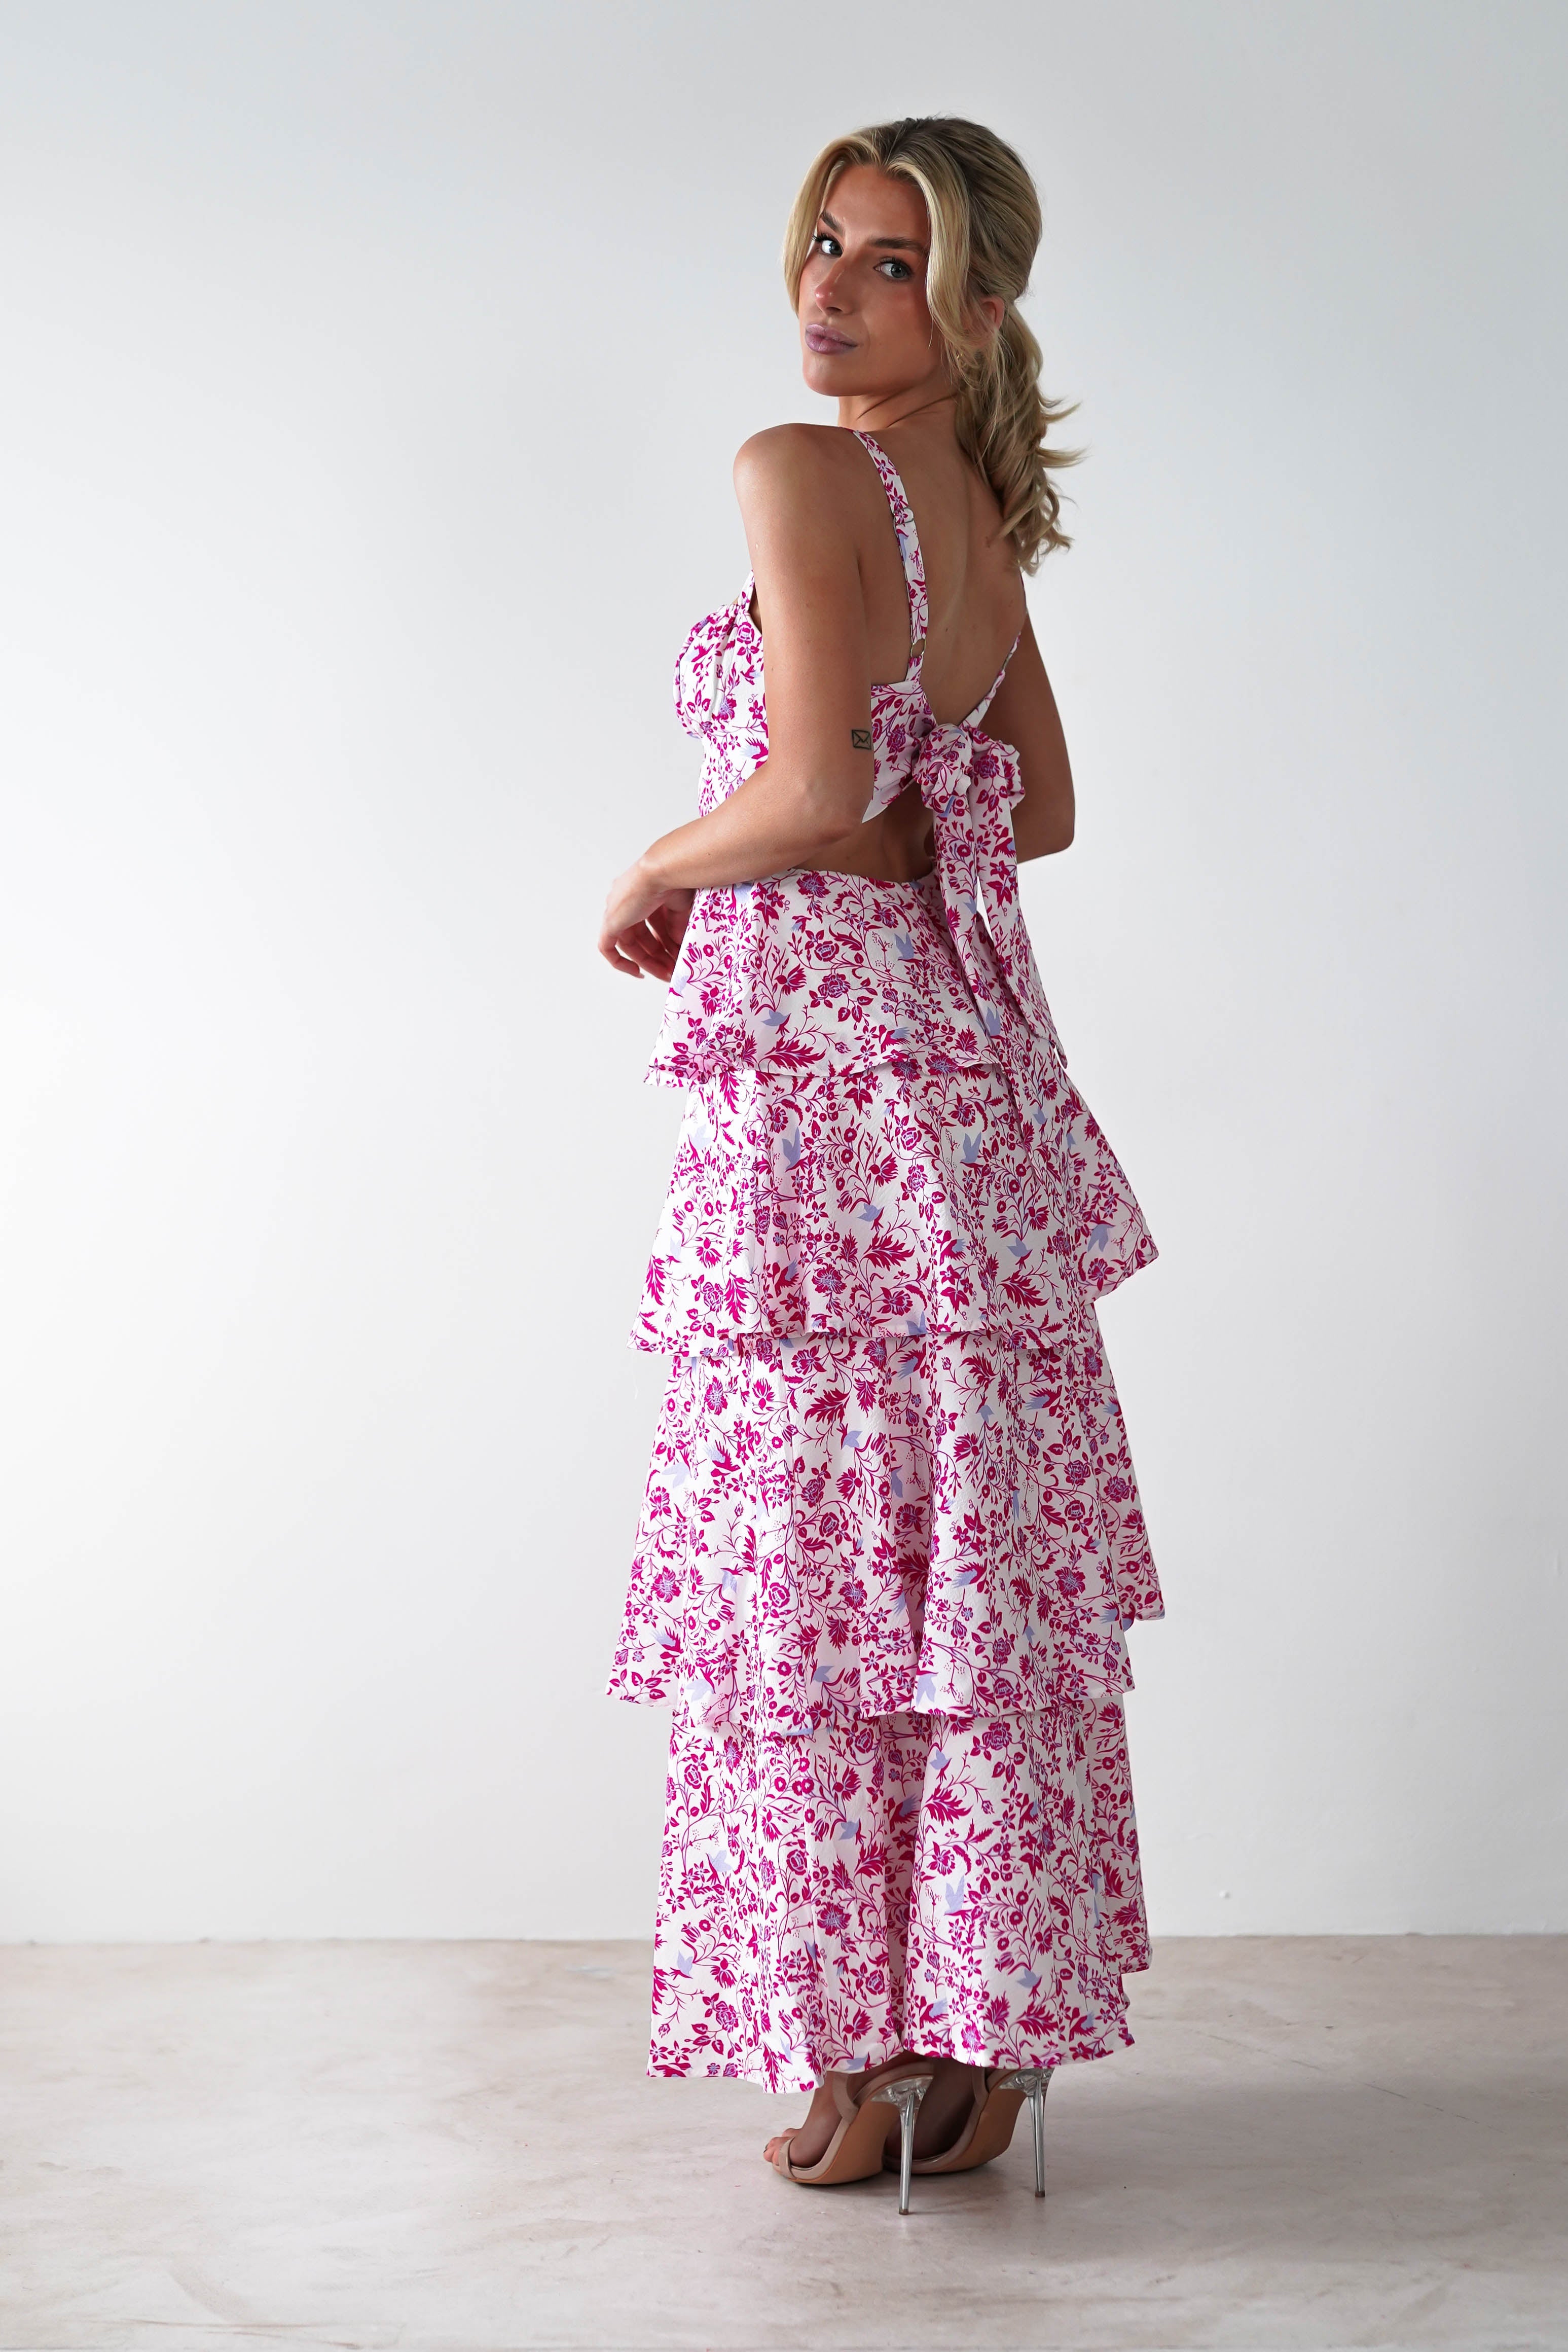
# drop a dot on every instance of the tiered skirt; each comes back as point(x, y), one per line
point(890, 1547)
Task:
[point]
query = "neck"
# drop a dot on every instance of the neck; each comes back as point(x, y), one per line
point(875, 412)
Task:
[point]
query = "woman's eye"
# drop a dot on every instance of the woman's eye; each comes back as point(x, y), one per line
point(826, 244)
point(897, 269)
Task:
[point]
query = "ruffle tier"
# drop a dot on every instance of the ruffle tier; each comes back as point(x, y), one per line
point(843, 1527)
point(807, 972)
point(915, 1883)
point(912, 1196)
point(859, 1154)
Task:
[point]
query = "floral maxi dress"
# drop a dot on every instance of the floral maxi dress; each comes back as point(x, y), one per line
point(891, 1540)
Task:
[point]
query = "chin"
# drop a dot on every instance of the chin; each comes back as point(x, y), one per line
point(829, 372)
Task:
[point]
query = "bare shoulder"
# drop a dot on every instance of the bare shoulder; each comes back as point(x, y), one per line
point(799, 466)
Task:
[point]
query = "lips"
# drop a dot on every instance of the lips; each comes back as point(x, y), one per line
point(824, 340)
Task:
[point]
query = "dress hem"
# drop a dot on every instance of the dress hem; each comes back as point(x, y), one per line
point(786, 2080)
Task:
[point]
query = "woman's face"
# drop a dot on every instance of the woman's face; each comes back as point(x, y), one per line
point(865, 324)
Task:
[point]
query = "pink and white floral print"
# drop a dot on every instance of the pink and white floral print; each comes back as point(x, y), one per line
point(911, 1191)
point(962, 1886)
point(891, 1540)
point(847, 1526)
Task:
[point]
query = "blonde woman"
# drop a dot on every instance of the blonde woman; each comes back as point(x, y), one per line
point(891, 1542)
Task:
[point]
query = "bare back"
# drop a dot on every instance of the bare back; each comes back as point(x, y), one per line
point(832, 604)
point(972, 579)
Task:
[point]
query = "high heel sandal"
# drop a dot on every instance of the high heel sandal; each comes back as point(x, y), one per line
point(857, 2149)
point(997, 2095)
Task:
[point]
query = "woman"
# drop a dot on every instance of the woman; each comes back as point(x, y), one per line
point(891, 1540)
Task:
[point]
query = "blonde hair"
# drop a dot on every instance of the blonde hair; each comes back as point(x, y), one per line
point(985, 227)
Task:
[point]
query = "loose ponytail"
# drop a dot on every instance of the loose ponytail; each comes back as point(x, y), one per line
point(985, 229)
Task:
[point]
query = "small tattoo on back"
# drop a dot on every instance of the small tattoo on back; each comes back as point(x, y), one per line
point(860, 737)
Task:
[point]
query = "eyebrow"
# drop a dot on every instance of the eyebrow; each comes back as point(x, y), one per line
point(908, 244)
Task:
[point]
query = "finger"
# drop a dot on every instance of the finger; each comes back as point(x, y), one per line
point(669, 953)
point(638, 944)
point(667, 929)
point(610, 951)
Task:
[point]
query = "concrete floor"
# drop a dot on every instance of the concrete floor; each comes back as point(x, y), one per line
point(452, 2148)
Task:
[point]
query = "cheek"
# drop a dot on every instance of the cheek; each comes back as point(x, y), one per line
point(904, 317)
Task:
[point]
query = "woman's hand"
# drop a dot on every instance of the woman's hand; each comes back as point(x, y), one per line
point(644, 923)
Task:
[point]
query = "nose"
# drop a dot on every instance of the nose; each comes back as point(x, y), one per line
point(826, 291)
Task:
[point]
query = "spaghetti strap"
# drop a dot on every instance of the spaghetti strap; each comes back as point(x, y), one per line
point(909, 552)
point(995, 688)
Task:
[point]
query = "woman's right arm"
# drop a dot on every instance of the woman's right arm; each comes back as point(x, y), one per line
point(815, 785)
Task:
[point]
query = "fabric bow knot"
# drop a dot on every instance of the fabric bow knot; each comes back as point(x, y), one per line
point(971, 784)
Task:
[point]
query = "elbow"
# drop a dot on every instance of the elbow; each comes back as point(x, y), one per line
point(811, 840)
point(1063, 823)
point(1048, 840)
point(828, 813)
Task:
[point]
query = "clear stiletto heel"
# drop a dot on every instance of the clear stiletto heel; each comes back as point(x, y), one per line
point(996, 2099)
point(905, 2093)
point(1033, 2082)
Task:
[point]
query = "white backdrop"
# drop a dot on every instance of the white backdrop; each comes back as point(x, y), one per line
point(372, 378)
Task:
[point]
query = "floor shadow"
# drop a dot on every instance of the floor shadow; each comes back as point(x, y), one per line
point(1298, 2165)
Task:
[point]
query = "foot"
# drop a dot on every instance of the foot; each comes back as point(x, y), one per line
point(809, 2142)
point(945, 2110)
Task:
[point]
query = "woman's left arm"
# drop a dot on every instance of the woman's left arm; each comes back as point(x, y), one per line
point(1024, 714)
point(814, 785)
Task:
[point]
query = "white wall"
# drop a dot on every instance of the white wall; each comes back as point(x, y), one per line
point(371, 380)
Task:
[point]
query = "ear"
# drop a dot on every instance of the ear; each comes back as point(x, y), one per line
point(987, 313)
